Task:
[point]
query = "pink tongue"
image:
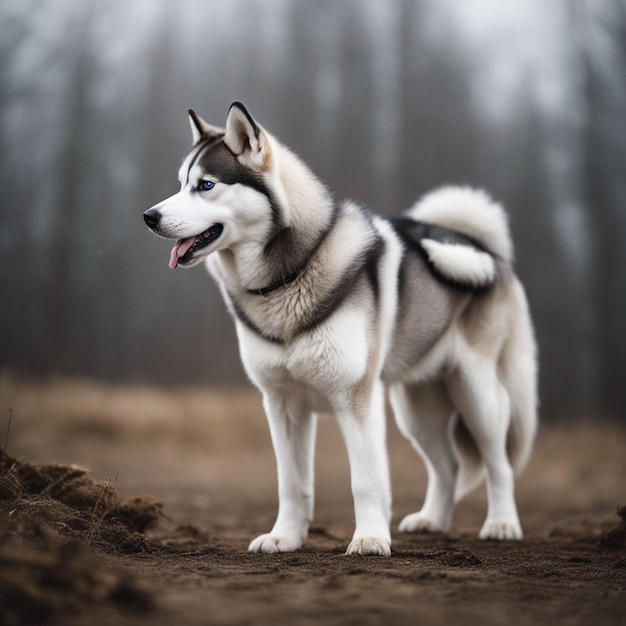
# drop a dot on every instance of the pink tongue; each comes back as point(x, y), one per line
point(179, 250)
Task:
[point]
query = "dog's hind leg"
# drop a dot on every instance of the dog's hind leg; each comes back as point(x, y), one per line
point(293, 432)
point(362, 422)
point(484, 405)
point(423, 412)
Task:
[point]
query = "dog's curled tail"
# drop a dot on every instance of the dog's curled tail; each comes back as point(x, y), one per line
point(471, 212)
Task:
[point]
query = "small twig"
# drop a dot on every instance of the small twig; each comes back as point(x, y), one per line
point(98, 520)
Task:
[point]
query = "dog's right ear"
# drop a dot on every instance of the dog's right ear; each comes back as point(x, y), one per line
point(246, 139)
point(200, 129)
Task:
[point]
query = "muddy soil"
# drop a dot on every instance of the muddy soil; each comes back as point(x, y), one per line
point(206, 457)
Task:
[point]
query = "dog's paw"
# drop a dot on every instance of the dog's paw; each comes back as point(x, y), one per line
point(270, 544)
point(419, 523)
point(371, 546)
point(501, 530)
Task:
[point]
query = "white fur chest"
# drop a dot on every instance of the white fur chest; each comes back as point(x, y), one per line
point(332, 357)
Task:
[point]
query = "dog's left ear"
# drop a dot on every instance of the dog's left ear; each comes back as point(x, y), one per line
point(246, 139)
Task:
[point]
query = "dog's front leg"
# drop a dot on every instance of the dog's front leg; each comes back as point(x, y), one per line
point(293, 436)
point(362, 419)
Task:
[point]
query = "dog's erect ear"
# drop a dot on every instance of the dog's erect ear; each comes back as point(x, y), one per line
point(200, 129)
point(246, 139)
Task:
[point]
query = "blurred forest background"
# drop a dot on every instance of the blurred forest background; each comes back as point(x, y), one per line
point(384, 100)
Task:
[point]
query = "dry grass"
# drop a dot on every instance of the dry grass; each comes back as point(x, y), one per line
point(60, 407)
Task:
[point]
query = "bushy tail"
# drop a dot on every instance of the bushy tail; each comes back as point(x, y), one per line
point(471, 212)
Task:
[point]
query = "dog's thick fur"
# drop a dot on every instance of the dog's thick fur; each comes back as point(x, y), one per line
point(335, 307)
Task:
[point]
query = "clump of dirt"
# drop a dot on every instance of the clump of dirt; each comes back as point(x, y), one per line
point(616, 537)
point(56, 526)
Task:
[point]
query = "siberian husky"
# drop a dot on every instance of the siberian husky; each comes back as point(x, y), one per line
point(335, 307)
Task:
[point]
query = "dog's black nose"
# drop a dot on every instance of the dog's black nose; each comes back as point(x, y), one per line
point(151, 217)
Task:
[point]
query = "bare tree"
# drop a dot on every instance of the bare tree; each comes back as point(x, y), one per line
point(601, 29)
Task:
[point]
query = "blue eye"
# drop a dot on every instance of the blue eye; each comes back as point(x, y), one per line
point(206, 185)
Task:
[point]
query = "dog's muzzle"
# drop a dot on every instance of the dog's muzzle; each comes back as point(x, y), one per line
point(186, 248)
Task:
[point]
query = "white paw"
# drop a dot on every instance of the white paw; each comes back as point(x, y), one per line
point(370, 546)
point(501, 530)
point(270, 544)
point(419, 523)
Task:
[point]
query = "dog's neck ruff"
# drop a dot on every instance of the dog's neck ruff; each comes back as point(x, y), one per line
point(283, 282)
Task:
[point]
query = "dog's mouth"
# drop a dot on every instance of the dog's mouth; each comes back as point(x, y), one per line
point(185, 249)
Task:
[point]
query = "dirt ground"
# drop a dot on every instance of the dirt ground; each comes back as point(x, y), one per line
point(206, 456)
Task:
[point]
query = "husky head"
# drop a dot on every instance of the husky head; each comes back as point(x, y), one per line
point(225, 196)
